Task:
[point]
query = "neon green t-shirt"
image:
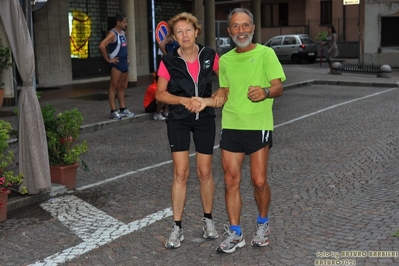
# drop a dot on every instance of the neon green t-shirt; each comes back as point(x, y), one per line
point(238, 71)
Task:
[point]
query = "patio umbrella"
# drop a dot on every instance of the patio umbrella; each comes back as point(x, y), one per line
point(33, 154)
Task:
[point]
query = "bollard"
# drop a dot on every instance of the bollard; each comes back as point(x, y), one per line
point(336, 68)
point(385, 71)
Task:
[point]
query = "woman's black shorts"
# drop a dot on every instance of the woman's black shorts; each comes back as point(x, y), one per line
point(203, 131)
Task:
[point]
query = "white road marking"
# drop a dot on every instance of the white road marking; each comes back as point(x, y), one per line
point(126, 174)
point(96, 228)
point(217, 146)
point(332, 107)
point(93, 226)
point(123, 175)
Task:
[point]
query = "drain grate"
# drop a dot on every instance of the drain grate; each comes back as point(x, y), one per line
point(360, 68)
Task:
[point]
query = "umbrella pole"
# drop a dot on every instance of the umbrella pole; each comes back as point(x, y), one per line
point(321, 56)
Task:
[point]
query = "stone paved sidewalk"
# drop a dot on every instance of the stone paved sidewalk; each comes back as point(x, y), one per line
point(333, 173)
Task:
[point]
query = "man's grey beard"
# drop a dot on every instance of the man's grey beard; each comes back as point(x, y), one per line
point(243, 44)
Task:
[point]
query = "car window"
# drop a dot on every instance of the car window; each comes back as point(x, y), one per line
point(289, 40)
point(275, 41)
point(306, 40)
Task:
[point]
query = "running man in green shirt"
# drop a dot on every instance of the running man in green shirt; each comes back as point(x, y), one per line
point(252, 76)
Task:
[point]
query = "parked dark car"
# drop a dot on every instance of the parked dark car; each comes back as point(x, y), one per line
point(294, 47)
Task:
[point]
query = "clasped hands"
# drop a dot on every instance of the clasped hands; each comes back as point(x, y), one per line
point(195, 104)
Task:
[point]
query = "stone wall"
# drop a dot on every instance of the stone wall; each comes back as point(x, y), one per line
point(6, 74)
point(373, 52)
point(51, 41)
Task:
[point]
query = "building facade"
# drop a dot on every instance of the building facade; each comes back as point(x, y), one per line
point(379, 38)
point(66, 33)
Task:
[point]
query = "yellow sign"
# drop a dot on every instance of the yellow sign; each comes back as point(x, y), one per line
point(80, 35)
point(351, 2)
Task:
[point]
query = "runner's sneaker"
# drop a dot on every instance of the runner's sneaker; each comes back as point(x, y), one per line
point(261, 237)
point(176, 236)
point(126, 113)
point(115, 115)
point(159, 117)
point(209, 228)
point(231, 242)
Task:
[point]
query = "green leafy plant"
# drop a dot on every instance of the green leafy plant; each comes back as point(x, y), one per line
point(321, 36)
point(396, 234)
point(62, 132)
point(8, 179)
point(5, 58)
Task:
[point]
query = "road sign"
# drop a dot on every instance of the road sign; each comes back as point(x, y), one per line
point(351, 2)
point(37, 4)
point(161, 31)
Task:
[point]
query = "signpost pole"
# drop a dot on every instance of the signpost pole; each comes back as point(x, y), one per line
point(360, 39)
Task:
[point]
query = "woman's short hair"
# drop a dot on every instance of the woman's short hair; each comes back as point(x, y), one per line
point(188, 17)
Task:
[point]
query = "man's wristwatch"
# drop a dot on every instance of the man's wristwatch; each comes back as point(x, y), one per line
point(267, 92)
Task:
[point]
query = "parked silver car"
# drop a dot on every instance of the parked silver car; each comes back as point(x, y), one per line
point(294, 47)
point(223, 45)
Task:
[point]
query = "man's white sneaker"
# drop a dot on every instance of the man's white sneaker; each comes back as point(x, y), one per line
point(261, 237)
point(232, 241)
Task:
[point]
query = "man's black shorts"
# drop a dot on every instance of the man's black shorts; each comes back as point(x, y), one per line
point(247, 141)
point(203, 131)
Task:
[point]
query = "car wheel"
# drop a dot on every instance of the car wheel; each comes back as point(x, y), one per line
point(312, 60)
point(296, 59)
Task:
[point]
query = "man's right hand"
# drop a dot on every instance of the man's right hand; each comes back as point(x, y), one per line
point(114, 60)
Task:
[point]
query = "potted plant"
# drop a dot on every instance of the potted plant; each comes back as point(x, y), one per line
point(321, 36)
point(5, 63)
point(8, 179)
point(64, 150)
